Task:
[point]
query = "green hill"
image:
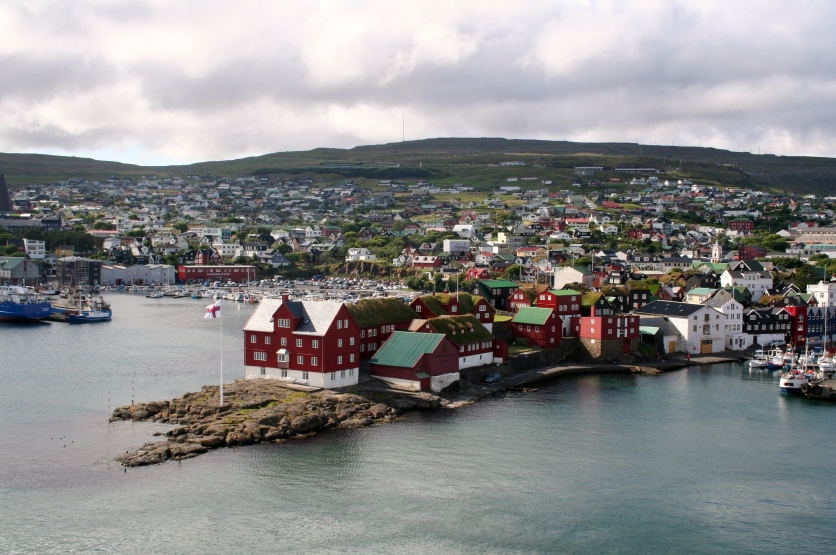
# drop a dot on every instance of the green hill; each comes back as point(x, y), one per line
point(469, 161)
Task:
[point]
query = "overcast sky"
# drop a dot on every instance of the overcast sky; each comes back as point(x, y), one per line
point(156, 82)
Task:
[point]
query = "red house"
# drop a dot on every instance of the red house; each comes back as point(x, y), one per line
point(750, 252)
point(615, 334)
point(522, 297)
point(742, 224)
point(310, 342)
point(477, 273)
point(477, 346)
point(377, 319)
point(447, 304)
point(417, 361)
point(427, 262)
point(200, 272)
point(538, 326)
point(565, 302)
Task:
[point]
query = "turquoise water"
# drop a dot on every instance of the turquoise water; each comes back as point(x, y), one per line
point(706, 460)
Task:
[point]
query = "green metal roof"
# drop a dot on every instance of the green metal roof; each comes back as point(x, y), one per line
point(532, 315)
point(701, 291)
point(648, 330)
point(564, 292)
point(498, 283)
point(405, 349)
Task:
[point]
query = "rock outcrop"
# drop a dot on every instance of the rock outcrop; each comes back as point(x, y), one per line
point(256, 411)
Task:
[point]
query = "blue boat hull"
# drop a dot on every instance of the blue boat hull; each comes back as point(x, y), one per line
point(90, 319)
point(12, 312)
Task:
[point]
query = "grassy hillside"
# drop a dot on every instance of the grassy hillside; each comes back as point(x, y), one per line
point(448, 161)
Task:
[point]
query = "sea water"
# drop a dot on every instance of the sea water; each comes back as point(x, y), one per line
point(703, 460)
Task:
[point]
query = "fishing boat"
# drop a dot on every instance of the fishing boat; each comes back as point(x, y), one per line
point(90, 312)
point(775, 359)
point(19, 304)
point(794, 380)
point(155, 295)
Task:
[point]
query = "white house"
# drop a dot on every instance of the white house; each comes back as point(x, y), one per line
point(455, 245)
point(736, 339)
point(34, 248)
point(355, 254)
point(824, 292)
point(757, 282)
point(465, 230)
point(701, 327)
point(564, 275)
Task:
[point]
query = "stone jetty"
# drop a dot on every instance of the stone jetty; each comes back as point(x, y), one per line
point(257, 411)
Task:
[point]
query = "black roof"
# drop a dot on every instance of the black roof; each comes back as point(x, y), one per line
point(669, 308)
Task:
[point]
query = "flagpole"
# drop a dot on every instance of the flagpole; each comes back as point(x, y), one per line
point(222, 357)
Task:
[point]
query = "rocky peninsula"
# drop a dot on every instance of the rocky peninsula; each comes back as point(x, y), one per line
point(257, 411)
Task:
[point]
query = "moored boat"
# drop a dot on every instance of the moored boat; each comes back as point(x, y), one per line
point(19, 304)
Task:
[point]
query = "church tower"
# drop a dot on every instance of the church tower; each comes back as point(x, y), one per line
point(716, 253)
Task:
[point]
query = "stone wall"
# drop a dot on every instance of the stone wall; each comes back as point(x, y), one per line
point(569, 350)
point(597, 350)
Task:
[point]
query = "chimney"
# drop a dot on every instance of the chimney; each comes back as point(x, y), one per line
point(284, 298)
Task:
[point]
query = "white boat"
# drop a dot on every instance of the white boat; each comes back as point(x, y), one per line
point(155, 295)
point(757, 363)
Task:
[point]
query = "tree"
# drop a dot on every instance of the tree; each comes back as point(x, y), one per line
point(804, 276)
point(182, 227)
point(103, 225)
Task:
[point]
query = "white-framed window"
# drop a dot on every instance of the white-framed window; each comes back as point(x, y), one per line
point(342, 373)
point(351, 340)
point(283, 342)
point(536, 329)
point(298, 342)
point(362, 347)
point(345, 323)
point(284, 373)
point(253, 338)
point(259, 355)
point(382, 329)
point(333, 375)
point(481, 308)
point(339, 342)
point(283, 323)
point(304, 375)
point(351, 372)
point(315, 343)
point(300, 359)
point(314, 361)
point(351, 357)
point(362, 334)
point(417, 308)
point(267, 339)
point(339, 324)
point(282, 357)
point(339, 359)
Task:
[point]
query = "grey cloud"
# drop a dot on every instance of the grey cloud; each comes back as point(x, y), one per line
point(35, 79)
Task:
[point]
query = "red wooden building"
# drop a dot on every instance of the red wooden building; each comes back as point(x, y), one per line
point(538, 326)
point(200, 272)
point(377, 318)
point(477, 346)
point(452, 304)
point(565, 302)
point(311, 342)
point(419, 361)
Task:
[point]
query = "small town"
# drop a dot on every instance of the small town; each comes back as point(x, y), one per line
point(634, 268)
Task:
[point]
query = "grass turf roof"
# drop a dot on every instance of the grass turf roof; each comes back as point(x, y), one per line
point(370, 313)
point(467, 328)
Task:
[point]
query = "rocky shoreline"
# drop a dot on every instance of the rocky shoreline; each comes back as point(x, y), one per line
point(257, 411)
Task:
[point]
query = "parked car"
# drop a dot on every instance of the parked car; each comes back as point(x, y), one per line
point(492, 378)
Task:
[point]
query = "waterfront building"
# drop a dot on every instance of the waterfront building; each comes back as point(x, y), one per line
point(377, 319)
point(702, 327)
point(311, 342)
point(74, 271)
point(17, 270)
point(210, 272)
point(736, 338)
point(454, 304)
point(477, 346)
point(417, 361)
point(537, 326)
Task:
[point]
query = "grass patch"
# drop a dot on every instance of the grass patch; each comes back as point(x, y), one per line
point(501, 318)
